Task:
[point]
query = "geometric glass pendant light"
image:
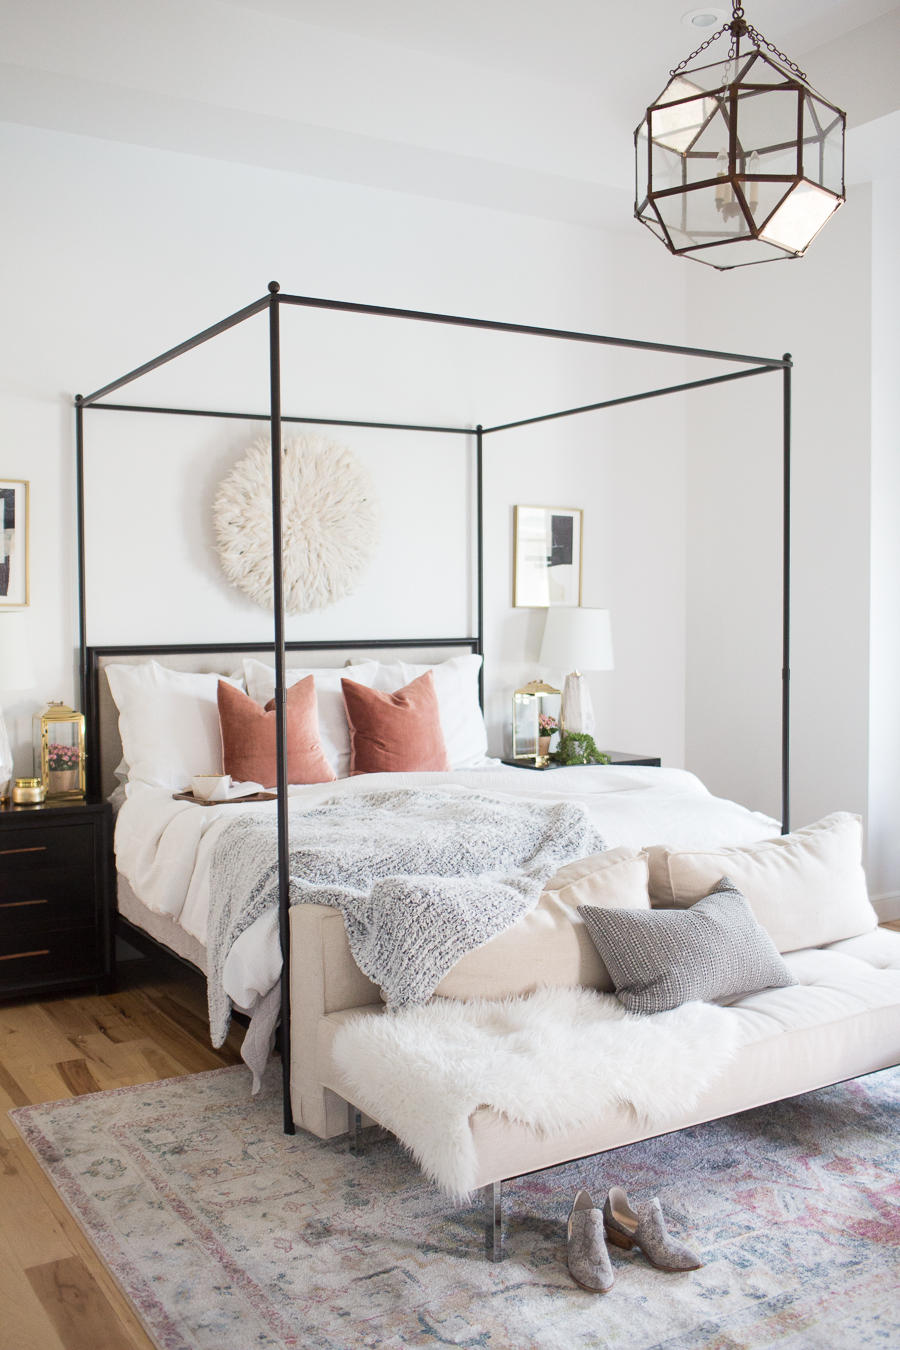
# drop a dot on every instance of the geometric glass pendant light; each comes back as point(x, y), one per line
point(739, 161)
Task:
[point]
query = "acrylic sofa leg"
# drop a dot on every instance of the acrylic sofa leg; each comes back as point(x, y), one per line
point(354, 1125)
point(493, 1221)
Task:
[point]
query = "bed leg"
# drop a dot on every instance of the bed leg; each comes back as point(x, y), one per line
point(354, 1125)
point(493, 1221)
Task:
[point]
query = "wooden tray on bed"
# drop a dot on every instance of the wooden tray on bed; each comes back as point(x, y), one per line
point(229, 801)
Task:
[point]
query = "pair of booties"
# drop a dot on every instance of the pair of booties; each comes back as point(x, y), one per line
point(644, 1227)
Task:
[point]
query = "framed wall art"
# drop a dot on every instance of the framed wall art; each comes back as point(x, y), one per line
point(13, 544)
point(547, 556)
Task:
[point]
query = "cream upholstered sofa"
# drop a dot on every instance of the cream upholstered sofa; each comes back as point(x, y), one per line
point(840, 1021)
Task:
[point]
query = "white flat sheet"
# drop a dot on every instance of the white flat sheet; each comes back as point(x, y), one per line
point(164, 847)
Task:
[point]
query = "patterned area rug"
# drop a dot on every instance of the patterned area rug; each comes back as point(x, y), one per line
point(226, 1233)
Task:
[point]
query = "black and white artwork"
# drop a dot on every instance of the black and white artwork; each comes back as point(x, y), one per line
point(13, 544)
point(547, 563)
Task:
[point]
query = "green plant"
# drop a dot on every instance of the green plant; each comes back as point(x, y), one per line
point(577, 747)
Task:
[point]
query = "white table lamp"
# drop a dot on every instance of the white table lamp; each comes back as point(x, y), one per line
point(15, 673)
point(577, 639)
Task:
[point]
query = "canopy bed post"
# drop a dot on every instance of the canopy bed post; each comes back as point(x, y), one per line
point(479, 510)
point(82, 600)
point(786, 605)
point(284, 921)
point(89, 668)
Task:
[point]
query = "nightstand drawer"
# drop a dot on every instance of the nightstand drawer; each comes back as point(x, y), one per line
point(38, 909)
point(33, 958)
point(56, 900)
point(65, 846)
point(59, 884)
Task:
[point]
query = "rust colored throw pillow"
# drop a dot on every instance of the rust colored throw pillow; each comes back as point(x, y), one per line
point(395, 733)
point(248, 737)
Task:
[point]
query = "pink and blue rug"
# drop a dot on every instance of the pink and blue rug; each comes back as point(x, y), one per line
point(225, 1233)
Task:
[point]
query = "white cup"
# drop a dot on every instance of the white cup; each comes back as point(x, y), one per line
point(211, 787)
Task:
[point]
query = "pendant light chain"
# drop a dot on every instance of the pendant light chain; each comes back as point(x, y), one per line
point(702, 48)
point(740, 28)
point(760, 41)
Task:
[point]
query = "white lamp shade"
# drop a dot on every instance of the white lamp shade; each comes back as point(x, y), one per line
point(16, 671)
point(577, 639)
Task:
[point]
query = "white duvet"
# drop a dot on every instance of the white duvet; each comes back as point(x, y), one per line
point(164, 847)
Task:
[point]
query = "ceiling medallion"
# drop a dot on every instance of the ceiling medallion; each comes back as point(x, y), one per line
point(739, 161)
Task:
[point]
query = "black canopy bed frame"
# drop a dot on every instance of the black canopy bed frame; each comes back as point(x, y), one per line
point(89, 657)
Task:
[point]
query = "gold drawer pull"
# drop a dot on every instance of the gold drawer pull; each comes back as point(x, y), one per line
point(17, 956)
point(20, 904)
point(41, 849)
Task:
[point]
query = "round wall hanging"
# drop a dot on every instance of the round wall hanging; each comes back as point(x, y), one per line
point(330, 522)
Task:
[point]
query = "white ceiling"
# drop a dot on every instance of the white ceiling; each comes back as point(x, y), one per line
point(506, 103)
point(586, 43)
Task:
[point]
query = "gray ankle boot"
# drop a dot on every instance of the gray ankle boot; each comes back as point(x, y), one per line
point(645, 1227)
point(589, 1263)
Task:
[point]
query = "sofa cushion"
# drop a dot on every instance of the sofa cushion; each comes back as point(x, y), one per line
point(879, 948)
point(664, 958)
point(807, 889)
point(550, 944)
point(832, 986)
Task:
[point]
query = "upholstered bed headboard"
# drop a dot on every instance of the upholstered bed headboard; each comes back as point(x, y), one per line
point(104, 745)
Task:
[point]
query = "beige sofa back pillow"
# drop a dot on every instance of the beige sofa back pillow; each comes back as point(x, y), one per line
point(806, 889)
point(551, 945)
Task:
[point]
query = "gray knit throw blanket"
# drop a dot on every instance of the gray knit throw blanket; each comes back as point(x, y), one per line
point(421, 876)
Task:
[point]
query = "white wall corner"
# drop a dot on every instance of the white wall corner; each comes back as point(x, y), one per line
point(887, 907)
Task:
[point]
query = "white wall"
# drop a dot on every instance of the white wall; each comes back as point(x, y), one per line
point(838, 312)
point(819, 309)
point(876, 150)
point(110, 254)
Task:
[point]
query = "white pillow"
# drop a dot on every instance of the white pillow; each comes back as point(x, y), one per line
point(168, 721)
point(456, 687)
point(551, 944)
point(806, 889)
point(334, 733)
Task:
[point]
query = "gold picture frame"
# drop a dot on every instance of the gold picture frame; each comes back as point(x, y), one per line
point(548, 552)
point(14, 543)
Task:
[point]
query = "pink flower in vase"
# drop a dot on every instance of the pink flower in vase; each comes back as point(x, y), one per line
point(62, 758)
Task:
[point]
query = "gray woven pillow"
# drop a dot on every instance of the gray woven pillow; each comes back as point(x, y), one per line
point(660, 958)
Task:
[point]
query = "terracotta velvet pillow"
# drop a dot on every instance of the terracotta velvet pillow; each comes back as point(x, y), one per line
point(395, 733)
point(248, 737)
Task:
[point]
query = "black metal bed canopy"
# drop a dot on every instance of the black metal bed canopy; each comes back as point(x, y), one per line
point(272, 302)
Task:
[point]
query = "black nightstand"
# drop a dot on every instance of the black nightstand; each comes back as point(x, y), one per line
point(56, 924)
point(616, 756)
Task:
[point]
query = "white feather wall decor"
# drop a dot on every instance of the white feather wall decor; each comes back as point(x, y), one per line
point(330, 522)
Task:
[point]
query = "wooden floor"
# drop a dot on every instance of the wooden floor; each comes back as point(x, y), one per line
point(55, 1292)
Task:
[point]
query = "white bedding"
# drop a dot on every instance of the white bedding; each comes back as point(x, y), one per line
point(164, 847)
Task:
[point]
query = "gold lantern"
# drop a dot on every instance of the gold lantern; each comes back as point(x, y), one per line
point(59, 752)
point(535, 722)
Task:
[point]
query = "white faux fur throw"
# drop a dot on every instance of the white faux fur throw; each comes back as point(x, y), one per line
point(555, 1060)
